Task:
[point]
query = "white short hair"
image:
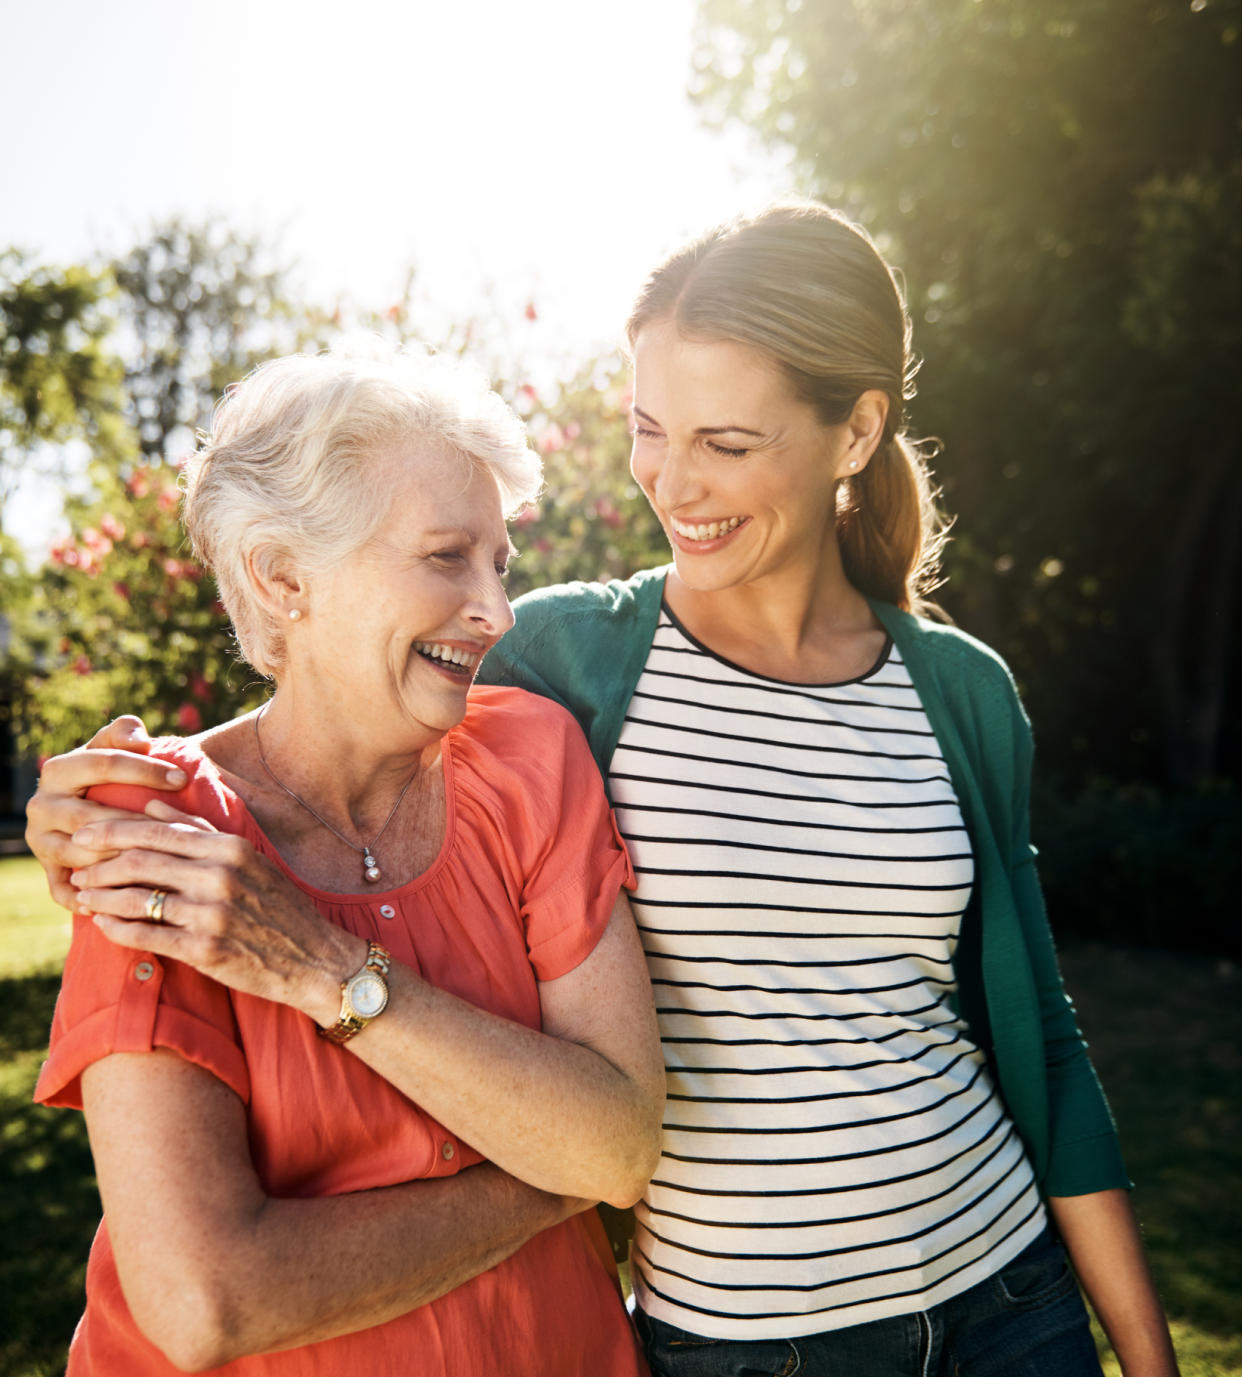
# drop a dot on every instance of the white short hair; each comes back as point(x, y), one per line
point(289, 475)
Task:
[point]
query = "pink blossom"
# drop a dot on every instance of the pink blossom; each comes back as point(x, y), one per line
point(573, 430)
point(552, 439)
point(121, 589)
point(530, 313)
point(138, 484)
point(527, 516)
point(607, 512)
point(168, 499)
point(189, 719)
point(199, 687)
point(70, 557)
point(527, 390)
point(543, 545)
point(82, 665)
point(111, 527)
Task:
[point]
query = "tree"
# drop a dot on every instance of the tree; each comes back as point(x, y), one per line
point(1058, 181)
point(123, 618)
point(58, 379)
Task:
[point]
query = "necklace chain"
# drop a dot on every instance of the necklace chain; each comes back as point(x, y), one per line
point(370, 867)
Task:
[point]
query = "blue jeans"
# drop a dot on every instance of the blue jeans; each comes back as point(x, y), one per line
point(1027, 1320)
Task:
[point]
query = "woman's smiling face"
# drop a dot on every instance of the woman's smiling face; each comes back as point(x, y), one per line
point(396, 632)
point(741, 472)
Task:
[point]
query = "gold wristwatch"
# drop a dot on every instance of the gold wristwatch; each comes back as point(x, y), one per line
point(364, 996)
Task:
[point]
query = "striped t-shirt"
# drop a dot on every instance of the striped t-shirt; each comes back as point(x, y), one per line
point(834, 1151)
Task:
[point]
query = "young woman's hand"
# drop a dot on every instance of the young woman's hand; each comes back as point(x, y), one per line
point(116, 754)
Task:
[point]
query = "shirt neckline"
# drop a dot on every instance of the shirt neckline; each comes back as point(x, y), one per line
point(251, 830)
point(881, 660)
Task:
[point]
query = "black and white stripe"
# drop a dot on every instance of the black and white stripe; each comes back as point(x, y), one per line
point(834, 1151)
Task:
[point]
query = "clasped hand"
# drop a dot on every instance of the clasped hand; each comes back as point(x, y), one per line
point(230, 912)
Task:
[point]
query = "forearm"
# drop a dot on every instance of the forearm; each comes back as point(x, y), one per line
point(308, 1270)
point(550, 1111)
point(214, 1268)
point(1101, 1235)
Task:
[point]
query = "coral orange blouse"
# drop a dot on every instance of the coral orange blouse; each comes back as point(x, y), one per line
point(521, 891)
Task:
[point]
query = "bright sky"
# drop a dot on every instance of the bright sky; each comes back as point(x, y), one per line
point(543, 148)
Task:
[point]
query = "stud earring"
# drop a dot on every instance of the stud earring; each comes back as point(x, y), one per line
point(853, 465)
point(295, 614)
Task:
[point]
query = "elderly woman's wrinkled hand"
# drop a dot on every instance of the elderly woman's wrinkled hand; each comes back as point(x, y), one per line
point(229, 912)
point(116, 754)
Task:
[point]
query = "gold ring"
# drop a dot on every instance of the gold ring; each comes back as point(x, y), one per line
point(154, 908)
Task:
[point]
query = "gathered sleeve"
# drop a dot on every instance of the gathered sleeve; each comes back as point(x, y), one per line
point(548, 798)
point(116, 999)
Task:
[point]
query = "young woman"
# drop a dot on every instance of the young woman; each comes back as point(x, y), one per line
point(880, 1113)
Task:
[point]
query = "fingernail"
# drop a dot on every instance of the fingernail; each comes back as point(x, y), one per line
point(176, 778)
point(84, 836)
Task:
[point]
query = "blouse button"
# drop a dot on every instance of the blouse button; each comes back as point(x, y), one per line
point(144, 970)
point(448, 1152)
point(387, 911)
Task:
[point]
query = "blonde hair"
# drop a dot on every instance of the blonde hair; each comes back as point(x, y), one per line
point(290, 474)
point(810, 290)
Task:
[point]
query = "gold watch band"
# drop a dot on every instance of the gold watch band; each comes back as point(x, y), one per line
point(349, 1021)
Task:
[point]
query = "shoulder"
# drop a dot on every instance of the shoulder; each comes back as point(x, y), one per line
point(957, 665)
point(205, 795)
point(525, 755)
point(616, 601)
point(506, 719)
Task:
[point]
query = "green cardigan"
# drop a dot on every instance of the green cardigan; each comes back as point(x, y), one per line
point(585, 645)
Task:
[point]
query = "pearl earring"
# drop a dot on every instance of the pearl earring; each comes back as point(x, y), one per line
point(295, 614)
point(853, 463)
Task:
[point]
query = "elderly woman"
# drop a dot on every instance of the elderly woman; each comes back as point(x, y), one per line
point(357, 1047)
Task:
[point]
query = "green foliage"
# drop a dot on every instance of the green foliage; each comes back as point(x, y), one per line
point(1066, 216)
point(122, 618)
point(592, 522)
point(58, 381)
point(1136, 866)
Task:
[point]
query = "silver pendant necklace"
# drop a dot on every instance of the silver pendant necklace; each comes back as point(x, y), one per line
point(370, 866)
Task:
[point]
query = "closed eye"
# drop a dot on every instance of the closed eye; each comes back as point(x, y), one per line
point(726, 451)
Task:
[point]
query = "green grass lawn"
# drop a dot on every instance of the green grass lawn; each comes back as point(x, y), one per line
point(1164, 1031)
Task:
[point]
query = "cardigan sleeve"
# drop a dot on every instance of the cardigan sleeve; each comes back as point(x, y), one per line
point(1084, 1153)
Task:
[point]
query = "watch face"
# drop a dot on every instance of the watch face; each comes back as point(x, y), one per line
point(367, 994)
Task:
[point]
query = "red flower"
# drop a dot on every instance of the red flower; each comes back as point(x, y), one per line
point(189, 719)
point(138, 483)
point(82, 665)
point(530, 313)
point(199, 687)
point(607, 512)
point(111, 527)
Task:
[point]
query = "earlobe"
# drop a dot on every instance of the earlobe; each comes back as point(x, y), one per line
point(277, 585)
point(864, 431)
